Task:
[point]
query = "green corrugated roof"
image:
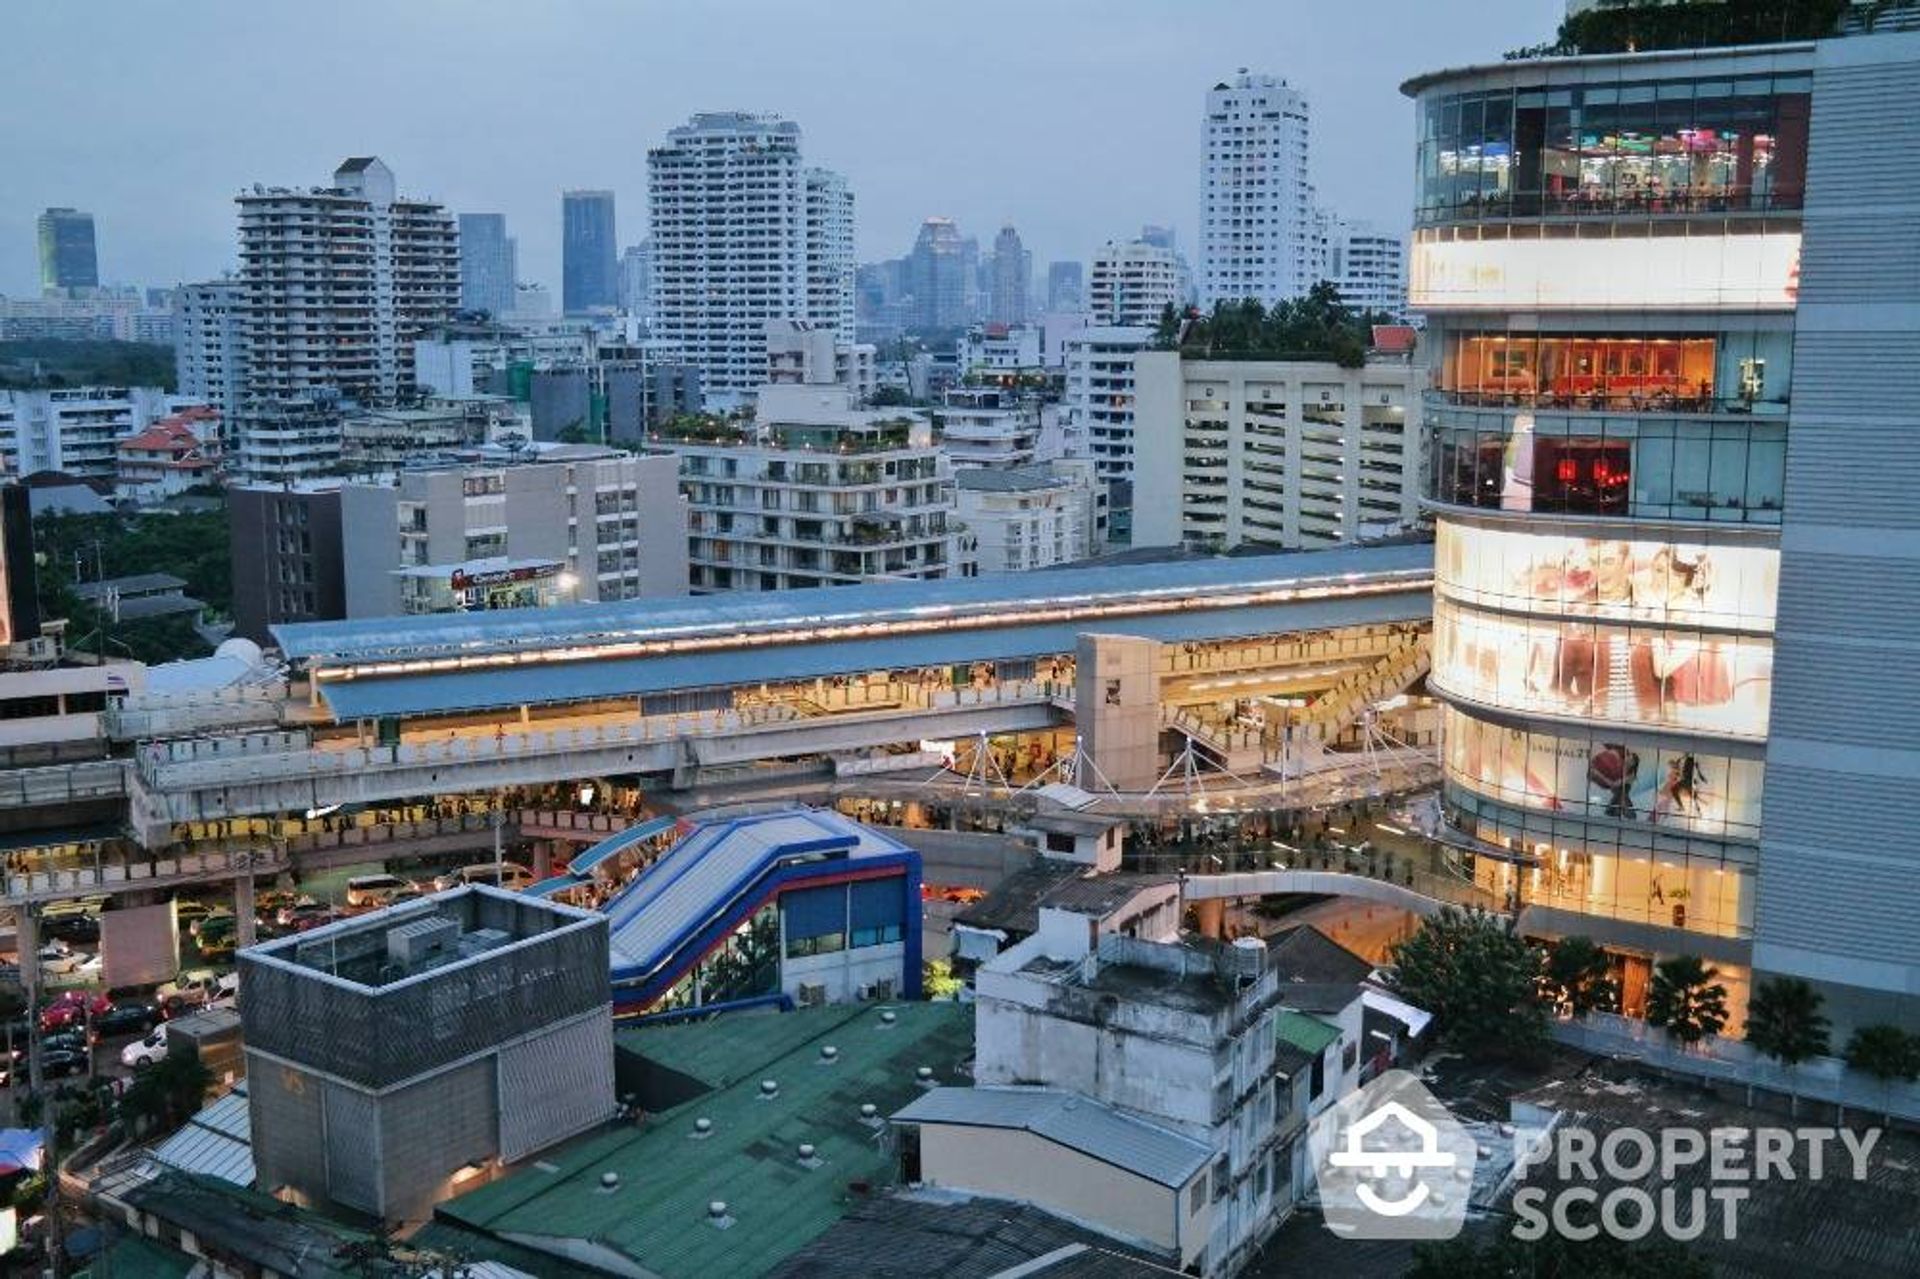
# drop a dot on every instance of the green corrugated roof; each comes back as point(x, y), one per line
point(1308, 1034)
point(658, 1215)
point(138, 1255)
point(719, 1051)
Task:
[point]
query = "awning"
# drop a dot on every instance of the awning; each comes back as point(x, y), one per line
point(1414, 1019)
point(617, 844)
point(551, 887)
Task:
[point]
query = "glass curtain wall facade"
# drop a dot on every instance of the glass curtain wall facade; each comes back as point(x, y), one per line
point(1606, 250)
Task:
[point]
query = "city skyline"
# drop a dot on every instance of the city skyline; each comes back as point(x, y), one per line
point(499, 153)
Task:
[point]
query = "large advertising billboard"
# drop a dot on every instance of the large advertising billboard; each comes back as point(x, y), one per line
point(1696, 272)
point(1620, 673)
point(1680, 583)
point(1607, 775)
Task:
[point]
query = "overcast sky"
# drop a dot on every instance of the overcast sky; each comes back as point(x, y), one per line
point(1077, 120)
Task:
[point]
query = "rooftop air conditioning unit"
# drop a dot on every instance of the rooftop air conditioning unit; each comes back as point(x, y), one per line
point(429, 939)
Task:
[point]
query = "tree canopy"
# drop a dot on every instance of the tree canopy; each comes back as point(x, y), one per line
point(1318, 326)
point(1686, 998)
point(1479, 980)
point(31, 364)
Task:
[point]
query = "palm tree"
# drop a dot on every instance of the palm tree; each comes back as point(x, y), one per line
point(1888, 1053)
point(1687, 999)
point(1576, 977)
point(1784, 1021)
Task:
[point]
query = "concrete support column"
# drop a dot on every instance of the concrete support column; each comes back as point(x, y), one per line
point(1211, 914)
point(243, 910)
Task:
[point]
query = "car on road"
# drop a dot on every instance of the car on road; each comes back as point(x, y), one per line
point(146, 1050)
point(198, 985)
point(308, 918)
point(65, 1041)
point(60, 1065)
point(375, 890)
point(58, 958)
point(187, 912)
point(214, 922)
point(72, 1009)
point(290, 911)
point(72, 926)
point(91, 967)
point(129, 1018)
point(511, 876)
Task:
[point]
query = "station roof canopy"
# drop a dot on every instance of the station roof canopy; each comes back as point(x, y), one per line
point(468, 661)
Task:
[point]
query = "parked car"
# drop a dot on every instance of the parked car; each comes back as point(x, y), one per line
point(65, 1041)
point(374, 890)
point(147, 1049)
point(509, 875)
point(127, 1018)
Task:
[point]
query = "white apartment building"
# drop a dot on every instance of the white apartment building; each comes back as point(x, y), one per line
point(1173, 1041)
point(829, 249)
point(1368, 266)
point(558, 525)
point(78, 429)
point(1284, 454)
point(1097, 404)
point(987, 426)
point(814, 492)
point(336, 284)
point(209, 345)
point(1256, 199)
point(999, 348)
point(292, 438)
point(1024, 517)
point(743, 234)
point(801, 351)
point(1132, 283)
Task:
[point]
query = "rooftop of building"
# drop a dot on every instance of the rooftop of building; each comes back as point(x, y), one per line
point(1011, 479)
point(235, 1221)
point(656, 1214)
point(915, 1234)
point(133, 584)
point(1014, 904)
point(385, 950)
point(1080, 1123)
point(1194, 976)
point(1526, 69)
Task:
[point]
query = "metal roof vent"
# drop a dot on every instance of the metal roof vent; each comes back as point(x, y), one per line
point(924, 1077)
point(769, 1089)
point(828, 1054)
point(887, 1018)
point(869, 1113)
point(702, 1129)
point(807, 1155)
point(609, 1182)
point(717, 1214)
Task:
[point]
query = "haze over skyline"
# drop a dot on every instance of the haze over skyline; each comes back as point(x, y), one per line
point(1076, 120)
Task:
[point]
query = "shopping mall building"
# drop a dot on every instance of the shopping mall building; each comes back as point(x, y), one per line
point(1673, 306)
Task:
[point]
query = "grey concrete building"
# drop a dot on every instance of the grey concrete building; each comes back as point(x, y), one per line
point(506, 528)
point(286, 556)
point(397, 1057)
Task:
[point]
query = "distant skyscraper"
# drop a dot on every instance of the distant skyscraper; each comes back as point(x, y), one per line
point(1256, 203)
point(1160, 237)
point(636, 280)
point(589, 272)
point(486, 264)
point(1369, 267)
point(1012, 278)
point(743, 233)
point(940, 276)
point(345, 320)
point(1066, 286)
point(830, 251)
point(209, 347)
point(68, 259)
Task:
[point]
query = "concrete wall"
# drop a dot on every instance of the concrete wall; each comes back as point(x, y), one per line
point(1013, 1164)
point(370, 549)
